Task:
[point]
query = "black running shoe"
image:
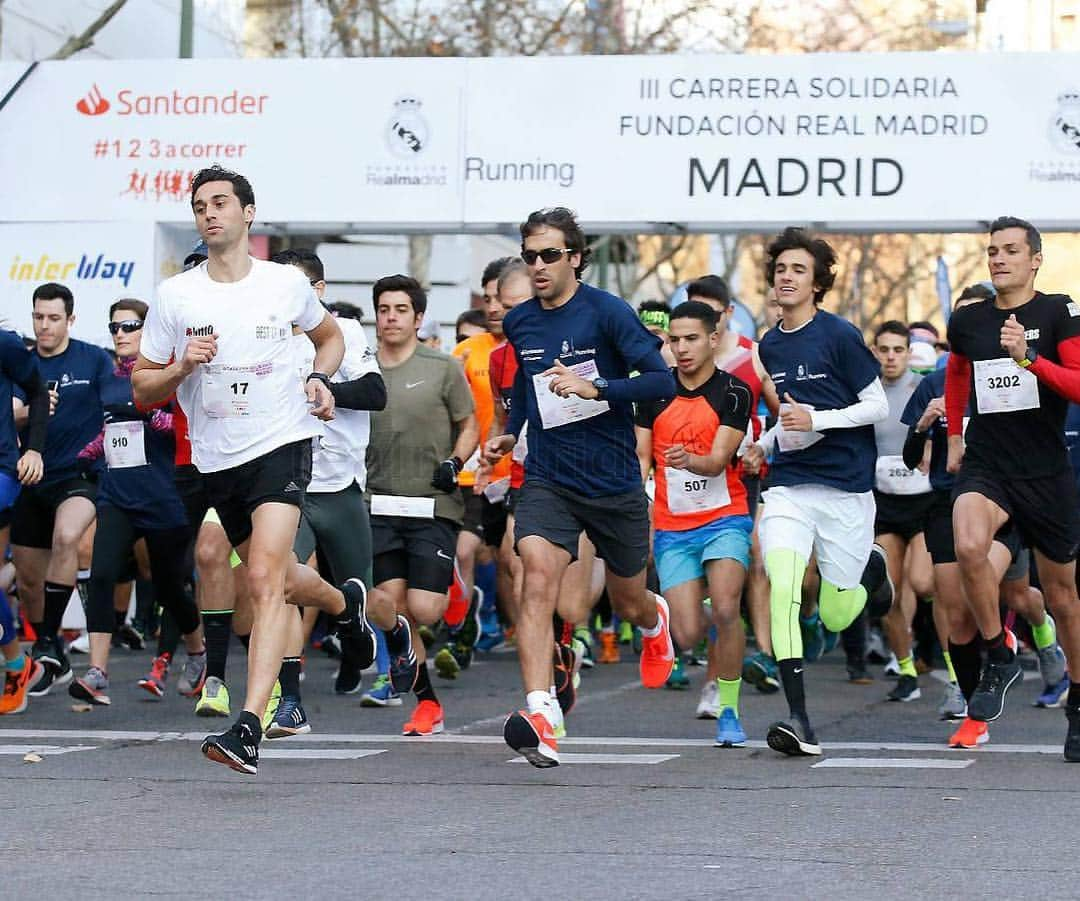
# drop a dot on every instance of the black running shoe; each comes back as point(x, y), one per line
point(1072, 737)
point(875, 579)
point(55, 672)
point(128, 636)
point(988, 701)
point(238, 749)
point(464, 639)
point(46, 652)
point(563, 665)
point(907, 689)
point(403, 666)
point(358, 642)
point(347, 681)
point(794, 738)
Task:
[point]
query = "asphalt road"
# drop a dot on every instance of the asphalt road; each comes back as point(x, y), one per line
point(122, 803)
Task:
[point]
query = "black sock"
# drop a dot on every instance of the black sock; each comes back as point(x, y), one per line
point(791, 676)
point(252, 722)
point(56, 601)
point(997, 651)
point(854, 639)
point(289, 677)
point(603, 609)
point(1073, 700)
point(39, 628)
point(967, 664)
point(245, 640)
point(168, 635)
point(217, 627)
point(119, 617)
point(422, 688)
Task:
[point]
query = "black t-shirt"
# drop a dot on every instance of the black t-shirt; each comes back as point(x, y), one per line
point(1021, 443)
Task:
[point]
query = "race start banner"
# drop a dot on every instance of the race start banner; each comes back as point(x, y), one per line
point(906, 141)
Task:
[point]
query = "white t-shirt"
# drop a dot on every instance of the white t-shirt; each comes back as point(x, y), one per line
point(339, 456)
point(250, 400)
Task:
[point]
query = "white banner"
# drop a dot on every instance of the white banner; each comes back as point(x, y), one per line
point(849, 141)
point(99, 262)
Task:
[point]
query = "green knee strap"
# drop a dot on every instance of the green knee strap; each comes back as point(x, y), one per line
point(839, 606)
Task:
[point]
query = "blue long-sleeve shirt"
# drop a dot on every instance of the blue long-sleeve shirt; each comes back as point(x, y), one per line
point(597, 456)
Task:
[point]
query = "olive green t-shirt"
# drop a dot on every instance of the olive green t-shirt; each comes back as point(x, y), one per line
point(425, 396)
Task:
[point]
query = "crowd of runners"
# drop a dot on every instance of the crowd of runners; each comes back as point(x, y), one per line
point(577, 480)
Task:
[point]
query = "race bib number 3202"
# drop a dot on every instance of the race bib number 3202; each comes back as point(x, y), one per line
point(1003, 387)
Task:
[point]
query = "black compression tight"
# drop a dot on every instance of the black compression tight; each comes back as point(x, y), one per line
point(112, 548)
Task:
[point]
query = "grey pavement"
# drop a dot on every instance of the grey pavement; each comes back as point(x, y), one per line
point(122, 803)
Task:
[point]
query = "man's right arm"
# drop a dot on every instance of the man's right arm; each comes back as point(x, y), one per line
point(153, 383)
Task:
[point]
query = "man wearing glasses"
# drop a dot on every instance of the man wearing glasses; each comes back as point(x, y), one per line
point(51, 517)
point(576, 347)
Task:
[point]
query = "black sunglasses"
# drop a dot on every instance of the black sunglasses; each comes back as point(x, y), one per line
point(128, 325)
point(548, 254)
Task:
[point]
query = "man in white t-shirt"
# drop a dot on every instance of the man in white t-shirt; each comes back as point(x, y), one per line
point(220, 337)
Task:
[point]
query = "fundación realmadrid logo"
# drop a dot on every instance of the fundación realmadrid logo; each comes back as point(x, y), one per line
point(1065, 125)
point(93, 104)
point(407, 132)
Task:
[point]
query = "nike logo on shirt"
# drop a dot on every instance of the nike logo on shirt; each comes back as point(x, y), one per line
point(410, 385)
point(439, 553)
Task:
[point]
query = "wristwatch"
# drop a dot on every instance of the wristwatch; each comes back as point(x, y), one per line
point(321, 376)
point(601, 386)
point(1030, 356)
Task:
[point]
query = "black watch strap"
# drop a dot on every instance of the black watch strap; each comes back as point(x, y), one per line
point(321, 376)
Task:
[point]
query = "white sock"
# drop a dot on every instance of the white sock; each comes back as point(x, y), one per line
point(537, 701)
point(656, 630)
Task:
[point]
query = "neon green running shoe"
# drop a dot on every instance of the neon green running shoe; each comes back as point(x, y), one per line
point(271, 706)
point(214, 698)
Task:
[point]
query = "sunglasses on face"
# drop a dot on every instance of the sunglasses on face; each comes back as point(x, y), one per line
point(127, 326)
point(548, 254)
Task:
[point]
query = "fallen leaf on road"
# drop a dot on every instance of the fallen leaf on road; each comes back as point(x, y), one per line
point(32, 758)
point(81, 708)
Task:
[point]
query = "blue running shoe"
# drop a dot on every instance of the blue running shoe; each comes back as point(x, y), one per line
point(1052, 695)
point(761, 671)
point(381, 694)
point(289, 719)
point(729, 731)
point(488, 641)
point(813, 638)
point(678, 680)
point(403, 666)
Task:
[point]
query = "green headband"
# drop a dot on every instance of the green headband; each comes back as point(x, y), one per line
point(655, 317)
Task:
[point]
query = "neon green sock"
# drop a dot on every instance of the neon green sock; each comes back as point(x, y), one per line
point(729, 693)
point(785, 569)
point(1045, 635)
point(907, 667)
point(948, 666)
point(838, 607)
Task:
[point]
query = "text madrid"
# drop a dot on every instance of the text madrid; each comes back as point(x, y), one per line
point(790, 177)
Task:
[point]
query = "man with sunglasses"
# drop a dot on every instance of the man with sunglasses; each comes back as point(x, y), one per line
point(576, 347)
point(51, 517)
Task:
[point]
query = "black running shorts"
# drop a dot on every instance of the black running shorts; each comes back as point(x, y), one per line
point(280, 476)
point(618, 525)
point(420, 551)
point(34, 514)
point(1043, 510)
point(901, 514)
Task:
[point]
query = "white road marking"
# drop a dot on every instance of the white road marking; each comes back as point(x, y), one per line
point(894, 763)
point(44, 750)
point(317, 753)
point(635, 759)
point(455, 738)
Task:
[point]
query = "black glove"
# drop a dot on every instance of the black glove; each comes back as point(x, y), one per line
point(445, 475)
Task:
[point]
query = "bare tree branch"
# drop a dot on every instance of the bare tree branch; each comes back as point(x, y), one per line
point(75, 43)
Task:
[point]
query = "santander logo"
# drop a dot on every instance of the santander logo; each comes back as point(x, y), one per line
point(93, 104)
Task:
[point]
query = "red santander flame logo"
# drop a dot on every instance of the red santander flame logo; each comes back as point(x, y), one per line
point(93, 104)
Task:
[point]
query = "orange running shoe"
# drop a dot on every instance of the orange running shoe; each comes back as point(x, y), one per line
point(427, 719)
point(971, 734)
point(458, 606)
point(16, 684)
point(657, 654)
point(609, 648)
point(531, 735)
